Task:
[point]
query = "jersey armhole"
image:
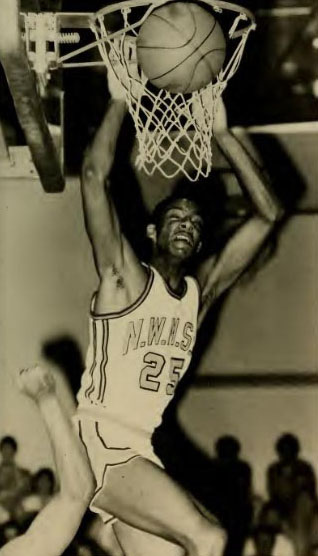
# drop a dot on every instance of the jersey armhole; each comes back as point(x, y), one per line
point(126, 310)
point(197, 288)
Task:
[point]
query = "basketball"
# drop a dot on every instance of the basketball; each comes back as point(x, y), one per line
point(181, 47)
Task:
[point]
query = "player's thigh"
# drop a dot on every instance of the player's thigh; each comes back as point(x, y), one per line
point(109, 541)
point(135, 542)
point(143, 495)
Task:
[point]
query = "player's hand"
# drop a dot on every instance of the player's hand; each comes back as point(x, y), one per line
point(116, 90)
point(121, 84)
point(220, 119)
point(36, 382)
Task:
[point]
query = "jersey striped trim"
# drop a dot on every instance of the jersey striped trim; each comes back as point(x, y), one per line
point(90, 388)
point(198, 289)
point(130, 308)
point(169, 290)
point(174, 294)
point(80, 434)
point(104, 361)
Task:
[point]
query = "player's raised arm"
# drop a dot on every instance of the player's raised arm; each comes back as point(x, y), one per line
point(100, 214)
point(109, 246)
point(216, 275)
point(54, 527)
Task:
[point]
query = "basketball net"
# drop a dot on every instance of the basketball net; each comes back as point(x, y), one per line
point(174, 130)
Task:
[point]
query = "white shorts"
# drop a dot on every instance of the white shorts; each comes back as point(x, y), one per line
point(108, 444)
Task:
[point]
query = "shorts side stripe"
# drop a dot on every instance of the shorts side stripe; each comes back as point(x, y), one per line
point(80, 433)
point(103, 441)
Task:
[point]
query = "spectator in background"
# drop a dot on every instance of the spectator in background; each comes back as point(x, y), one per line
point(303, 524)
point(314, 550)
point(269, 518)
point(4, 515)
point(9, 531)
point(15, 482)
point(233, 478)
point(43, 483)
point(289, 476)
point(264, 541)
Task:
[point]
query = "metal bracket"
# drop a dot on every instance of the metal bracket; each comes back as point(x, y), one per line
point(42, 39)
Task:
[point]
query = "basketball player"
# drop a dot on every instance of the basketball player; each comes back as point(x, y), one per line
point(143, 325)
point(57, 523)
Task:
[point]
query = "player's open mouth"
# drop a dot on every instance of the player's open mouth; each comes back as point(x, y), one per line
point(184, 237)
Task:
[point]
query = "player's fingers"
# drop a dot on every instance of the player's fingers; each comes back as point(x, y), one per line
point(220, 120)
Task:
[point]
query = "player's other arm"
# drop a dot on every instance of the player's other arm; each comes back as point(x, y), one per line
point(217, 275)
point(54, 527)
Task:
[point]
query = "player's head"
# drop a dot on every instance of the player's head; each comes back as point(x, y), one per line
point(176, 227)
point(8, 448)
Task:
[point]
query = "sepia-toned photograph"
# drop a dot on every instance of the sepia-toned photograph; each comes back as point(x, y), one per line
point(158, 278)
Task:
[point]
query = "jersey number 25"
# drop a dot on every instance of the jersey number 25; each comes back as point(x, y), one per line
point(155, 363)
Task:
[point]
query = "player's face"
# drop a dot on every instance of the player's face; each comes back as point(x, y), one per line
point(181, 229)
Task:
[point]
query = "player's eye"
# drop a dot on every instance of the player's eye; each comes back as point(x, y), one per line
point(197, 223)
point(174, 217)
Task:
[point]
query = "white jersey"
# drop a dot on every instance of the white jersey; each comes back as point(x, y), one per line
point(137, 356)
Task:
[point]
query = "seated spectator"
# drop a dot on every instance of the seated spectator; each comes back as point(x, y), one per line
point(43, 489)
point(264, 541)
point(313, 550)
point(8, 532)
point(233, 478)
point(4, 515)
point(269, 518)
point(289, 476)
point(303, 524)
point(15, 482)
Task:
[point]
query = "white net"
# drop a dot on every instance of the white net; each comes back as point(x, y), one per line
point(174, 131)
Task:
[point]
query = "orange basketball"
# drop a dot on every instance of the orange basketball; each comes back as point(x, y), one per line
point(181, 47)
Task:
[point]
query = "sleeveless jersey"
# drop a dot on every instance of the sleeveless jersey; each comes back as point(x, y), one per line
point(137, 356)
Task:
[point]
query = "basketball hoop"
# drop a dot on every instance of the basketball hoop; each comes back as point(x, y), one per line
point(174, 131)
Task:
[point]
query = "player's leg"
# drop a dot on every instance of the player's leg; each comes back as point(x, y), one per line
point(106, 538)
point(135, 542)
point(142, 495)
point(54, 528)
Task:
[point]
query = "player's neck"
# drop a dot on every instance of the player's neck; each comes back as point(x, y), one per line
point(172, 271)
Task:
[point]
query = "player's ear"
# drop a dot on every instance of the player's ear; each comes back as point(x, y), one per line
point(199, 247)
point(152, 232)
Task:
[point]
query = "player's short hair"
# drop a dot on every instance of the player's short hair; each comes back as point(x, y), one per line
point(289, 441)
point(9, 440)
point(163, 206)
